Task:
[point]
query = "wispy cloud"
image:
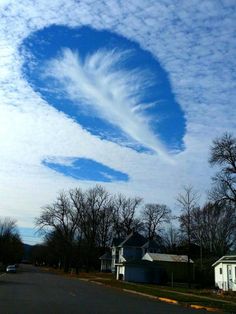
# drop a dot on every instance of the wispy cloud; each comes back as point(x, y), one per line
point(101, 85)
point(195, 43)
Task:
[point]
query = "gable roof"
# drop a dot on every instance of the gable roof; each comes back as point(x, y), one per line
point(134, 239)
point(151, 244)
point(166, 258)
point(117, 241)
point(226, 259)
point(106, 256)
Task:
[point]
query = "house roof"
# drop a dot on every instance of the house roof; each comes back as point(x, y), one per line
point(117, 241)
point(226, 259)
point(106, 256)
point(151, 244)
point(134, 239)
point(167, 258)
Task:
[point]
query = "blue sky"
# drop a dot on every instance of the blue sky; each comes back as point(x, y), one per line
point(148, 91)
point(126, 94)
point(86, 169)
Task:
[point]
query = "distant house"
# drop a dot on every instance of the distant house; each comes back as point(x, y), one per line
point(225, 273)
point(106, 262)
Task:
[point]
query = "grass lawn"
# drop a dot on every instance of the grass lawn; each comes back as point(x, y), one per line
point(185, 298)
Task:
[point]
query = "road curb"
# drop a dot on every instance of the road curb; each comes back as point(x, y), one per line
point(172, 301)
point(201, 307)
point(140, 293)
point(152, 296)
point(168, 300)
point(97, 282)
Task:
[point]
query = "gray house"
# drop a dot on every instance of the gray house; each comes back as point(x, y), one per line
point(130, 249)
point(156, 268)
point(138, 259)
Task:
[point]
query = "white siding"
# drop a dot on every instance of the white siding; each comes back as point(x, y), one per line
point(113, 254)
point(121, 253)
point(221, 280)
point(120, 271)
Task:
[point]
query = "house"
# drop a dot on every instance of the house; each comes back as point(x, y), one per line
point(156, 268)
point(175, 266)
point(138, 259)
point(115, 254)
point(132, 248)
point(106, 262)
point(225, 273)
point(143, 271)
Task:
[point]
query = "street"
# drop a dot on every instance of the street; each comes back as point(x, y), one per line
point(31, 291)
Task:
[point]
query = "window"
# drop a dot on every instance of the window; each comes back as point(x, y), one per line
point(220, 271)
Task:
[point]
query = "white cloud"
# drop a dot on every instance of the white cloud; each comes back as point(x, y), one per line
point(194, 42)
point(112, 92)
point(4, 2)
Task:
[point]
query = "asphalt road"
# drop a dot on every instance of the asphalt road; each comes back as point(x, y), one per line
point(31, 291)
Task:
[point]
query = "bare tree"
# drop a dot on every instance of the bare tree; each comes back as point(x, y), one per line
point(223, 154)
point(187, 202)
point(62, 218)
point(153, 216)
point(96, 216)
point(95, 208)
point(219, 228)
point(125, 219)
point(171, 238)
point(197, 230)
point(106, 225)
point(7, 227)
point(11, 246)
point(78, 221)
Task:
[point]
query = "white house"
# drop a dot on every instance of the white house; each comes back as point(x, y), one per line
point(105, 262)
point(225, 273)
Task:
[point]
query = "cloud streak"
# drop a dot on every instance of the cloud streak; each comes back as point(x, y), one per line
point(101, 86)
